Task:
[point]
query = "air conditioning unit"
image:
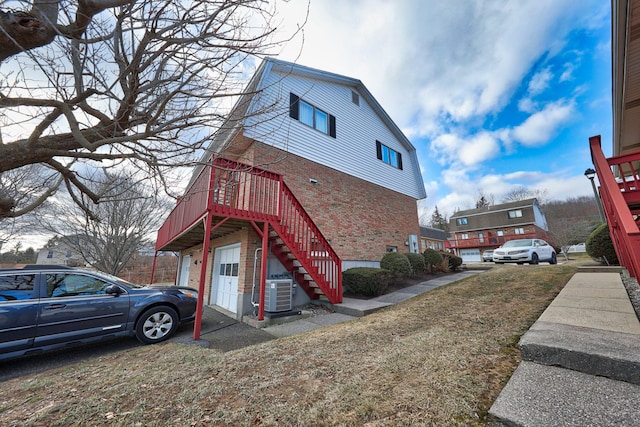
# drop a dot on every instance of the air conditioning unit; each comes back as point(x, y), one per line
point(279, 295)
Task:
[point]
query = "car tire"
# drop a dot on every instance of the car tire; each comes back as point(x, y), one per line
point(534, 259)
point(554, 259)
point(156, 325)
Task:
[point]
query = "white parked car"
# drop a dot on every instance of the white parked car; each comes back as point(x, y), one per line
point(525, 250)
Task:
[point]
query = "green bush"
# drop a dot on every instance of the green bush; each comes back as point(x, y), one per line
point(367, 281)
point(432, 258)
point(599, 245)
point(397, 264)
point(417, 263)
point(454, 261)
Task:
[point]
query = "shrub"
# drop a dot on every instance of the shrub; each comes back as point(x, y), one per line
point(417, 263)
point(453, 260)
point(599, 245)
point(432, 258)
point(367, 281)
point(397, 264)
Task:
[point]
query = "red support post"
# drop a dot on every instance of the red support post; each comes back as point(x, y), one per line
point(153, 267)
point(197, 325)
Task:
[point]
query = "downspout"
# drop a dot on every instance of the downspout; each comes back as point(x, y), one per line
point(263, 270)
point(203, 275)
point(253, 285)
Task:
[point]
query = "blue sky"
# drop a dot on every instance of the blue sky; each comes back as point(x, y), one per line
point(494, 94)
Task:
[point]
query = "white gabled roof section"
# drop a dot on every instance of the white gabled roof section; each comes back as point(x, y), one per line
point(353, 151)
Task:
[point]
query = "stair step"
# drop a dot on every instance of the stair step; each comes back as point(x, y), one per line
point(548, 396)
point(609, 354)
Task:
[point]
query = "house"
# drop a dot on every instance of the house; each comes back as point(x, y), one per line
point(60, 254)
point(475, 230)
point(619, 175)
point(432, 238)
point(308, 177)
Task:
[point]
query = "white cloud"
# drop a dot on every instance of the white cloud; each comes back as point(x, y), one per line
point(469, 151)
point(428, 60)
point(540, 82)
point(540, 127)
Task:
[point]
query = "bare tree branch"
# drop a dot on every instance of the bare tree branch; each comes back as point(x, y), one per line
point(144, 84)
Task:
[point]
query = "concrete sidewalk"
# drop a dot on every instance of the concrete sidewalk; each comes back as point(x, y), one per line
point(581, 360)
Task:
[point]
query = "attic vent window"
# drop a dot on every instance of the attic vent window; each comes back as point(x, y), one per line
point(355, 98)
point(311, 115)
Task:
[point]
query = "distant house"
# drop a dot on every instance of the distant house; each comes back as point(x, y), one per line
point(313, 177)
point(60, 254)
point(432, 238)
point(475, 230)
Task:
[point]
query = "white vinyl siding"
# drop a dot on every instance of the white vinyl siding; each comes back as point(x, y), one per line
point(353, 151)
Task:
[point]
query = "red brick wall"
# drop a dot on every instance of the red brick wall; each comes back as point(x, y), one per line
point(359, 218)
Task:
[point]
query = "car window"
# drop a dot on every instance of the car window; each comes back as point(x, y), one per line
point(16, 287)
point(64, 285)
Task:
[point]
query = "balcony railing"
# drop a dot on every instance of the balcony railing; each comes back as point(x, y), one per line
point(620, 195)
point(493, 241)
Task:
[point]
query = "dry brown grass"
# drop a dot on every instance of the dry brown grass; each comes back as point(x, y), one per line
point(438, 359)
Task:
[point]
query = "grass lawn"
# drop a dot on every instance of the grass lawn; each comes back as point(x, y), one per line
point(439, 359)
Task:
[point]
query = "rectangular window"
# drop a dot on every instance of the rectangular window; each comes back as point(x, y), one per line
point(392, 249)
point(500, 233)
point(515, 214)
point(481, 237)
point(519, 230)
point(311, 115)
point(461, 221)
point(464, 236)
point(388, 155)
point(50, 254)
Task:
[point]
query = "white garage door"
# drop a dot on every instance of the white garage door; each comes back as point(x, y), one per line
point(470, 255)
point(225, 278)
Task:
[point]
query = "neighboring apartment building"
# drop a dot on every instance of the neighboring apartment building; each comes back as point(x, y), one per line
point(312, 178)
point(475, 230)
point(432, 238)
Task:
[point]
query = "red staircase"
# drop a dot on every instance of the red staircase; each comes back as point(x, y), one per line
point(620, 193)
point(227, 191)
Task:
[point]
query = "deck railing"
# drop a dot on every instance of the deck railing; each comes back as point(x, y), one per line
point(493, 241)
point(620, 195)
point(189, 209)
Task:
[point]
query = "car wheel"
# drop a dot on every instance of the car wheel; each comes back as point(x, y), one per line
point(156, 325)
point(534, 259)
point(554, 259)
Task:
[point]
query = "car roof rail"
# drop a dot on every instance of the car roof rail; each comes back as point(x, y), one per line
point(46, 267)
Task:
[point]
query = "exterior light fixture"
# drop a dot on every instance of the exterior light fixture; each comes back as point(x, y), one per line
point(591, 174)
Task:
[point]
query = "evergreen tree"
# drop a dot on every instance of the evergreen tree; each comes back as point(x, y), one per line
point(439, 221)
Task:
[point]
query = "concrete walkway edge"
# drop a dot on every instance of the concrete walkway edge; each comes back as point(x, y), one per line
point(581, 360)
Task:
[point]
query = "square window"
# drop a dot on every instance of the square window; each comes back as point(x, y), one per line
point(461, 221)
point(355, 98)
point(519, 230)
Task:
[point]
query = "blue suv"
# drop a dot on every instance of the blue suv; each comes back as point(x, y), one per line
point(47, 307)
